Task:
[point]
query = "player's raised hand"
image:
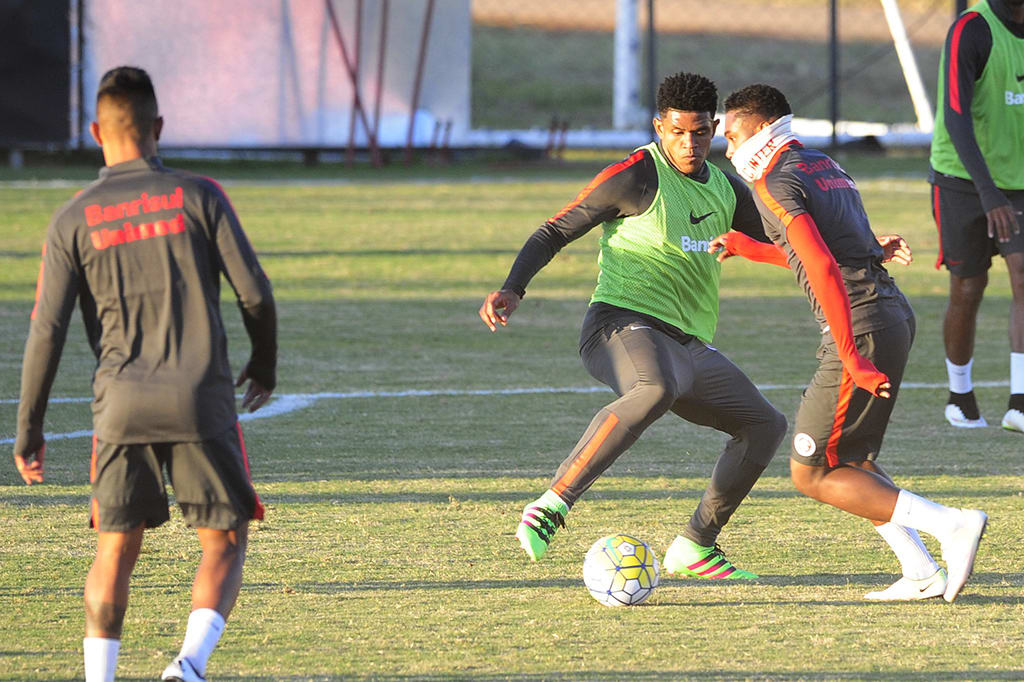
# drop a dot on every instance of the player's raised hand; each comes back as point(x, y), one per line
point(896, 249)
point(31, 466)
point(1003, 222)
point(865, 375)
point(256, 395)
point(497, 307)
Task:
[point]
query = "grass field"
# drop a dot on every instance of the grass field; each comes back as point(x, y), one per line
point(388, 548)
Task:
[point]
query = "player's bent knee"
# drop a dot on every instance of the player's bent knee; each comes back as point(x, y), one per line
point(650, 400)
point(777, 427)
point(768, 434)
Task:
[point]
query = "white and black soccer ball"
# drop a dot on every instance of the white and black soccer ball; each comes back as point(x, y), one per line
point(620, 570)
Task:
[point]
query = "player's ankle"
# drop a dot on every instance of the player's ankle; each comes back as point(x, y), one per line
point(967, 403)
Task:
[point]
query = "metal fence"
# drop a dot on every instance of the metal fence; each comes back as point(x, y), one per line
point(534, 61)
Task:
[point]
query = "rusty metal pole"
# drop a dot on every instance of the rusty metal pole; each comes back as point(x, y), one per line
point(419, 80)
point(357, 102)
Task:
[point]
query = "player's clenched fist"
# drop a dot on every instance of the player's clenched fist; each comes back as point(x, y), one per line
point(895, 249)
point(31, 468)
point(502, 300)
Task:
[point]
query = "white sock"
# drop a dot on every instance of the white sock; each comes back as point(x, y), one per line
point(100, 658)
point(960, 376)
point(204, 629)
point(1016, 373)
point(917, 563)
point(553, 498)
point(914, 511)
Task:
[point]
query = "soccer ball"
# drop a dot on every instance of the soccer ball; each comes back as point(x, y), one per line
point(620, 570)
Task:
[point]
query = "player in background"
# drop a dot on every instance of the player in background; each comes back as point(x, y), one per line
point(819, 229)
point(977, 176)
point(142, 249)
point(647, 331)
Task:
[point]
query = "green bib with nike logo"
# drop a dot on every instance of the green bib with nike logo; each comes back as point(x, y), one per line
point(657, 262)
point(997, 110)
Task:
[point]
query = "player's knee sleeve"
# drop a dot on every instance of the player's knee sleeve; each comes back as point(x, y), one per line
point(764, 437)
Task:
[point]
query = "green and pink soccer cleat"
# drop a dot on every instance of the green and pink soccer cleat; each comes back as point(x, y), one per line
point(684, 557)
point(539, 523)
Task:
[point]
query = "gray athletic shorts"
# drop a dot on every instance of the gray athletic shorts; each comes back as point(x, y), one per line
point(838, 422)
point(210, 479)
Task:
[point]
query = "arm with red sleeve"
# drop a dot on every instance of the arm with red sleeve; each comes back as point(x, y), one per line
point(784, 196)
point(734, 243)
point(967, 50)
point(827, 285)
point(747, 237)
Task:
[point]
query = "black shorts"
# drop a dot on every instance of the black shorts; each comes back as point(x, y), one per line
point(964, 245)
point(839, 422)
point(210, 479)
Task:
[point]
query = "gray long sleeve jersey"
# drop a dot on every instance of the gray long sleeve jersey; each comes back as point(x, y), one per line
point(142, 250)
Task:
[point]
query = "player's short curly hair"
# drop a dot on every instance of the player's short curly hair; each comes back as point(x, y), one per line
point(687, 92)
point(760, 99)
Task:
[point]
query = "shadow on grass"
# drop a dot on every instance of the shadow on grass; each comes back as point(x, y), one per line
point(808, 580)
point(337, 253)
point(869, 580)
point(631, 673)
point(25, 498)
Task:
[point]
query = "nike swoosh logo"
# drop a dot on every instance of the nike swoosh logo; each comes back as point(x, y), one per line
point(637, 327)
point(696, 219)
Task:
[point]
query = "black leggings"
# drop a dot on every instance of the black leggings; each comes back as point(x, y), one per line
point(653, 370)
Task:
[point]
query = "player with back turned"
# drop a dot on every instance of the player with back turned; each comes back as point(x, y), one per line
point(814, 216)
point(651, 319)
point(142, 250)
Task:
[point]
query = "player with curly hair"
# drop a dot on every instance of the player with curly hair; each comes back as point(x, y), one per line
point(652, 316)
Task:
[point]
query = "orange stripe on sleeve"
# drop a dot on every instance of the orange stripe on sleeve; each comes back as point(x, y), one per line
point(762, 187)
point(587, 454)
point(608, 172)
point(773, 205)
point(39, 282)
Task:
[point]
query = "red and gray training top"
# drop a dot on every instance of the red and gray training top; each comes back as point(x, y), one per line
point(141, 250)
point(806, 182)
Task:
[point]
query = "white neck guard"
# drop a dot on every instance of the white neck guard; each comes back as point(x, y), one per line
point(751, 158)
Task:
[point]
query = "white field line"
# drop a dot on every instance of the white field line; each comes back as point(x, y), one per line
point(290, 402)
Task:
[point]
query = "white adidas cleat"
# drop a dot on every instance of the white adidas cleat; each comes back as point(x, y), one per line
point(1013, 420)
point(181, 670)
point(908, 589)
point(959, 550)
point(955, 416)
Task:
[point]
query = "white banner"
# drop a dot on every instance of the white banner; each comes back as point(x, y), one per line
point(269, 73)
